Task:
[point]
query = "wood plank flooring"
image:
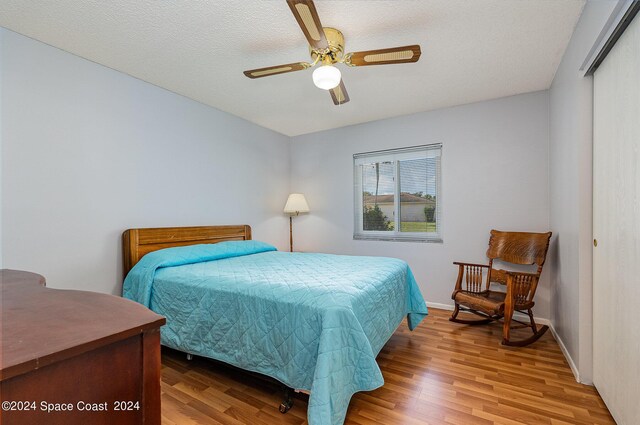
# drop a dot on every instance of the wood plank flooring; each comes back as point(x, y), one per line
point(441, 373)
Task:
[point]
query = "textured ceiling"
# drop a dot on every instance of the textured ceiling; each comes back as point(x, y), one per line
point(471, 51)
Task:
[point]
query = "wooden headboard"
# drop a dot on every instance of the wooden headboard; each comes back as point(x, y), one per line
point(138, 242)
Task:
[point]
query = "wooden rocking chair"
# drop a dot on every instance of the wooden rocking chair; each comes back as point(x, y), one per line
point(511, 247)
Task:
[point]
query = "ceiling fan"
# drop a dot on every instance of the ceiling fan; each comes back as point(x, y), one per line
point(326, 46)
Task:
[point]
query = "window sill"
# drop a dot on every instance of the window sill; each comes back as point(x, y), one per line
point(397, 238)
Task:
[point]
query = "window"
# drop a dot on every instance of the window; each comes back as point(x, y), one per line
point(397, 194)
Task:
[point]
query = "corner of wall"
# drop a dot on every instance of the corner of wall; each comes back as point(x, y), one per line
point(292, 140)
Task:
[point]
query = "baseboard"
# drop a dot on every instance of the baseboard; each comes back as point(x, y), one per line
point(539, 320)
point(440, 306)
point(567, 356)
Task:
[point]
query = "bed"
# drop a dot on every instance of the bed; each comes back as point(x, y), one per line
point(314, 322)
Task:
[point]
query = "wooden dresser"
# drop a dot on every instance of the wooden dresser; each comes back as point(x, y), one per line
point(76, 357)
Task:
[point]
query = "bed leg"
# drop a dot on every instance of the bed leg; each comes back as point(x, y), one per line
point(189, 356)
point(288, 401)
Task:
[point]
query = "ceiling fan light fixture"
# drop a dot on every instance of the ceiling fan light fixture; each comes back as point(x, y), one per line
point(326, 77)
point(326, 48)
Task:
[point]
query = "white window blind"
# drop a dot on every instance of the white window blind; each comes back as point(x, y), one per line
point(397, 194)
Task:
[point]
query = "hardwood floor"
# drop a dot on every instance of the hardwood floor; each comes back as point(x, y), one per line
point(442, 373)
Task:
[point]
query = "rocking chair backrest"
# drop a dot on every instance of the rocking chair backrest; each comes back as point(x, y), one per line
point(519, 247)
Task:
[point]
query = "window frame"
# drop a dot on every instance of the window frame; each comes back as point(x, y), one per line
point(395, 155)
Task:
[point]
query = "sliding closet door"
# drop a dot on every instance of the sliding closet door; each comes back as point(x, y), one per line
point(616, 228)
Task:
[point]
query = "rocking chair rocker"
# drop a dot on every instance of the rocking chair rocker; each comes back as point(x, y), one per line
point(511, 247)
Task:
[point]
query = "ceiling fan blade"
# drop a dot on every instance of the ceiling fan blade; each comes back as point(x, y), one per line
point(307, 17)
point(339, 94)
point(278, 69)
point(404, 54)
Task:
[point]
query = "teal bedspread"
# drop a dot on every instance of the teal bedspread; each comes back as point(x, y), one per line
point(312, 321)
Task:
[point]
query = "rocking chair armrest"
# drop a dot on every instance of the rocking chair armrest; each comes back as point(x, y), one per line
point(514, 274)
point(461, 266)
point(460, 263)
point(519, 287)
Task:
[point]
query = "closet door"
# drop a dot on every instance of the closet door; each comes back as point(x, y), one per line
point(616, 228)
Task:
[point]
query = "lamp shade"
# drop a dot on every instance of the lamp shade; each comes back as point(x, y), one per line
point(296, 204)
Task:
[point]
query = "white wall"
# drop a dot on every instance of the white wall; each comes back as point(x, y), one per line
point(1, 44)
point(494, 174)
point(570, 178)
point(88, 152)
